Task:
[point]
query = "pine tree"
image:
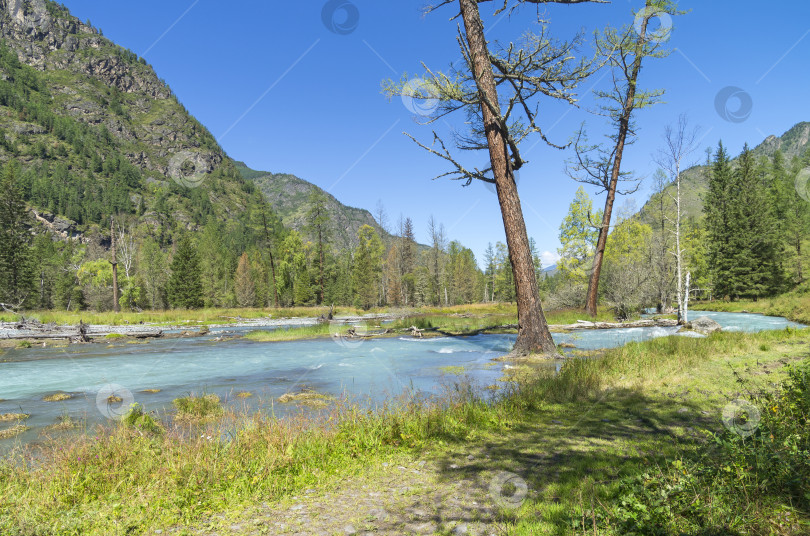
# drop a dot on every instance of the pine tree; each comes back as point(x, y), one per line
point(16, 272)
point(317, 225)
point(185, 289)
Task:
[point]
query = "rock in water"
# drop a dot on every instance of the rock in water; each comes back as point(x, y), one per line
point(705, 325)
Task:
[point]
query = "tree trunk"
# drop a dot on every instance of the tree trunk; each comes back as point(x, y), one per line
point(624, 127)
point(272, 263)
point(534, 336)
point(114, 263)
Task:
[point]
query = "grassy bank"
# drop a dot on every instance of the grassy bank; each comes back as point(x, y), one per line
point(579, 439)
point(458, 323)
point(175, 316)
point(793, 306)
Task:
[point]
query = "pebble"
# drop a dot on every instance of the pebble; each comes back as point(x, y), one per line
point(349, 529)
point(453, 466)
point(470, 457)
point(297, 507)
point(460, 529)
point(556, 422)
point(683, 410)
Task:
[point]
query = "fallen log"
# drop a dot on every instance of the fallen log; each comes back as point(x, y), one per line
point(83, 333)
point(646, 323)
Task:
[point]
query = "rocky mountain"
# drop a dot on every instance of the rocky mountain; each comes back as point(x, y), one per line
point(96, 132)
point(289, 196)
point(695, 180)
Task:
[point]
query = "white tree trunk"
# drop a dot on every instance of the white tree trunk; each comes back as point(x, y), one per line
point(686, 299)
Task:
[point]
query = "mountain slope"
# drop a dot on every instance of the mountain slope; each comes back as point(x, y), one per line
point(96, 132)
point(289, 195)
point(695, 180)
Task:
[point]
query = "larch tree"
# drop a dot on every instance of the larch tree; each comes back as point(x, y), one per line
point(498, 89)
point(243, 283)
point(578, 236)
point(624, 50)
point(317, 226)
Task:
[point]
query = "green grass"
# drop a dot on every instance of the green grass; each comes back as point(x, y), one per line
point(291, 334)
point(204, 407)
point(793, 306)
point(611, 408)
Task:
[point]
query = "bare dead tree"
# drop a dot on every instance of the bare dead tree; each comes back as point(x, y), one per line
point(679, 143)
point(498, 88)
point(624, 50)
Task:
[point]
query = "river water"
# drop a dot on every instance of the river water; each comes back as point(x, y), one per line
point(368, 370)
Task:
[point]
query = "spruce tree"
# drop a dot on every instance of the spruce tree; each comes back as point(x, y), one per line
point(16, 273)
point(717, 207)
point(185, 288)
point(741, 228)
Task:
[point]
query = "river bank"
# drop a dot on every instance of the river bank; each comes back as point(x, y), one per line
point(423, 468)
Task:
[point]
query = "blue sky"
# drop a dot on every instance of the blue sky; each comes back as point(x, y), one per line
point(285, 92)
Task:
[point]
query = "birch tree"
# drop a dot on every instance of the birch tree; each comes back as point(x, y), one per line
point(680, 142)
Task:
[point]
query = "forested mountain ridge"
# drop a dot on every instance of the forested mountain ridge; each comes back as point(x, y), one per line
point(289, 196)
point(95, 132)
point(793, 143)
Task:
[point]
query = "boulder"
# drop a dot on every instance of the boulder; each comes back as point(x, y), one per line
point(705, 325)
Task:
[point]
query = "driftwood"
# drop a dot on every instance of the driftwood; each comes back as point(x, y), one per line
point(647, 323)
point(79, 333)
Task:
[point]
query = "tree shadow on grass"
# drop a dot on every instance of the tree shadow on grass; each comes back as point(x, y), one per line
point(567, 458)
